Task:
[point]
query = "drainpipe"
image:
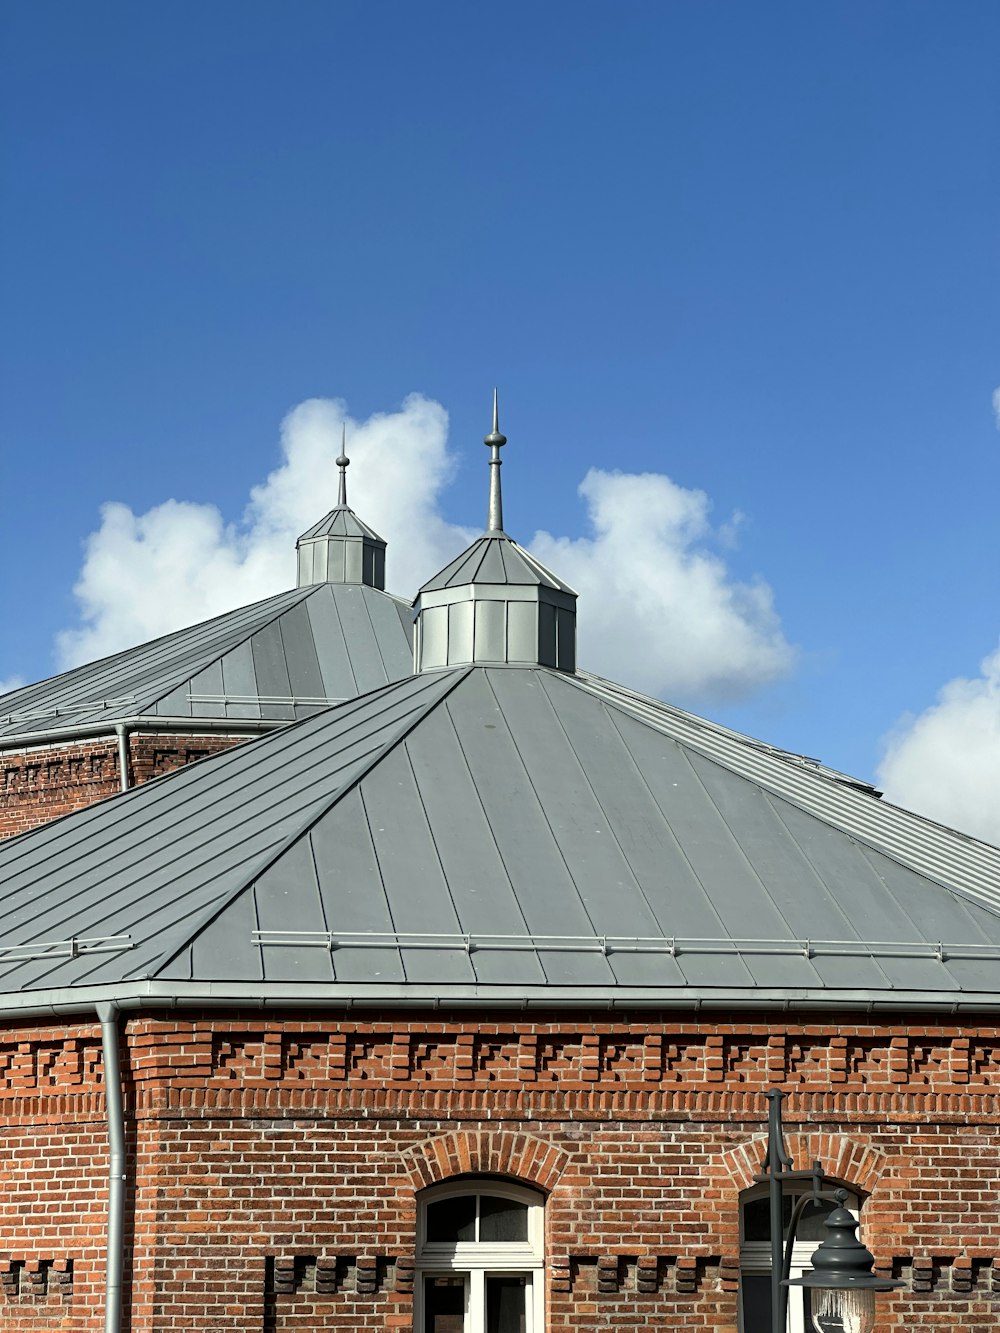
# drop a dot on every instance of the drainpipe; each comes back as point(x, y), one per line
point(121, 731)
point(108, 1014)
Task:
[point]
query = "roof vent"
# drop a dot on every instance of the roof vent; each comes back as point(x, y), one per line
point(340, 548)
point(495, 603)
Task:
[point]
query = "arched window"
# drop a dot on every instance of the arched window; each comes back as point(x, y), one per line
point(480, 1258)
point(755, 1254)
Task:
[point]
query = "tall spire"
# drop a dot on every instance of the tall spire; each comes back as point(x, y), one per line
point(343, 462)
point(495, 441)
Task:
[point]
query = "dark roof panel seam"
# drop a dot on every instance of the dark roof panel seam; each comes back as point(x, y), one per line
point(138, 904)
point(819, 882)
point(542, 675)
point(329, 802)
point(474, 788)
point(737, 845)
point(381, 878)
point(844, 793)
point(960, 904)
point(683, 856)
point(541, 807)
point(343, 634)
point(166, 785)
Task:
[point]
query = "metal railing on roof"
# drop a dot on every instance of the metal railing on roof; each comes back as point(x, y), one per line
point(62, 710)
point(674, 946)
point(291, 700)
point(71, 948)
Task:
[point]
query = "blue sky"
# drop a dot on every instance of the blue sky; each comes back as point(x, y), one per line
point(750, 248)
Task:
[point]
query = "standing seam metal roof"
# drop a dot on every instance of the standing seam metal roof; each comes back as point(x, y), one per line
point(320, 643)
point(505, 832)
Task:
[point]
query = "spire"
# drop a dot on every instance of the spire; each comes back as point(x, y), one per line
point(495, 603)
point(343, 462)
point(340, 548)
point(495, 442)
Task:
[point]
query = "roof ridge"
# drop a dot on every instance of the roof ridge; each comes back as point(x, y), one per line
point(453, 675)
point(760, 756)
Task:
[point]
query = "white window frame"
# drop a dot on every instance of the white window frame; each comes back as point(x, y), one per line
point(477, 1259)
point(755, 1255)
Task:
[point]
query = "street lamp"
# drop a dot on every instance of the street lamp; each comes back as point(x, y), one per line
point(841, 1282)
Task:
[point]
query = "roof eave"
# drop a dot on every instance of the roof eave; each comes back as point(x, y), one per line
point(65, 1001)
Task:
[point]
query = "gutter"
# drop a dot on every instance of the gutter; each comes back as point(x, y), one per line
point(195, 726)
point(108, 1014)
point(69, 1001)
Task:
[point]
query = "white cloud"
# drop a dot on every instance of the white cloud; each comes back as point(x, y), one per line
point(11, 683)
point(178, 563)
point(945, 762)
point(658, 609)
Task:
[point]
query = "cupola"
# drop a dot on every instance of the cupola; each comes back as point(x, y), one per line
point(340, 548)
point(495, 603)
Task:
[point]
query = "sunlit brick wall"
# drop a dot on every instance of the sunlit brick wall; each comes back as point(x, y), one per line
point(277, 1163)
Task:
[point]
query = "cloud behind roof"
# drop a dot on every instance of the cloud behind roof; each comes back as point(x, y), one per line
point(945, 762)
point(659, 608)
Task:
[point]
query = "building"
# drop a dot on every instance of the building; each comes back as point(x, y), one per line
point(108, 725)
point(452, 1008)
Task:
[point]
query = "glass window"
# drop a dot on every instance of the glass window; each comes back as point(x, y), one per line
point(480, 1257)
point(755, 1255)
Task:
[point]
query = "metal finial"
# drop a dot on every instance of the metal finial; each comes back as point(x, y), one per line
point(495, 441)
point(342, 463)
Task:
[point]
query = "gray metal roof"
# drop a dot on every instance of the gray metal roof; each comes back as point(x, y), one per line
point(500, 835)
point(278, 659)
point(341, 522)
point(496, 559)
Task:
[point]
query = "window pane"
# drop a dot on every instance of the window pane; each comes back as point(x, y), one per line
point(757, 1218)
point(452, 1219)
point(502, 1219)
point(755, 1298)
point(505, 1309)
point(444, 1304)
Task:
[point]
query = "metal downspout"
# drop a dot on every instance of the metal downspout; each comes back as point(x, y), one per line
point(108, 1014)
point(121, 731)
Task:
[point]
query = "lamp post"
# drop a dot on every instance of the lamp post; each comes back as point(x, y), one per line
point(841, 1279)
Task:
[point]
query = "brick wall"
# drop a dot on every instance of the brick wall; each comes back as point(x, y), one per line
point(276, 1164)
point(38, 784)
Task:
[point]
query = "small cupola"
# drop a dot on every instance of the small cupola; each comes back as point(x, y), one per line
point(495, 603)
point(340, 548)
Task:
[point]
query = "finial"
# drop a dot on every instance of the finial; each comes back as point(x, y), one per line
point(495, 441)
point(342, 463)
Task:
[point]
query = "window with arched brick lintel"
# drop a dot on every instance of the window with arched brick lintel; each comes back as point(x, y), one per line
point(755, 1253)
point(480, 1257)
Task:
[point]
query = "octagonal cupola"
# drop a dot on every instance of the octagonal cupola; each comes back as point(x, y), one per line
point(340, 548)
point(495, 603)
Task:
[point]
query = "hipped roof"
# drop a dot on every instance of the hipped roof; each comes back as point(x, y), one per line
point(505, 835)
point(311, 645)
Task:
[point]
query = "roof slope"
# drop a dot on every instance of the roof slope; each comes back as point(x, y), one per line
point(499, 835)
point(319, 643)
point(495, 558)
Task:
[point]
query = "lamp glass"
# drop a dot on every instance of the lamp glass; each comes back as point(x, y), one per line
point(843, 1309)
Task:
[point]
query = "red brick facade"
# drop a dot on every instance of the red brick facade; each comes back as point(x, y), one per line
point(277, 1163)
point(40, 783)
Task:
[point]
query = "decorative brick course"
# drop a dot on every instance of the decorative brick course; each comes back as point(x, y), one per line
point(41, 783)
point(276, 1163)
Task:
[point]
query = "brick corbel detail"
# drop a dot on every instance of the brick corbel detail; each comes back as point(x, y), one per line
point(485, 1153)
